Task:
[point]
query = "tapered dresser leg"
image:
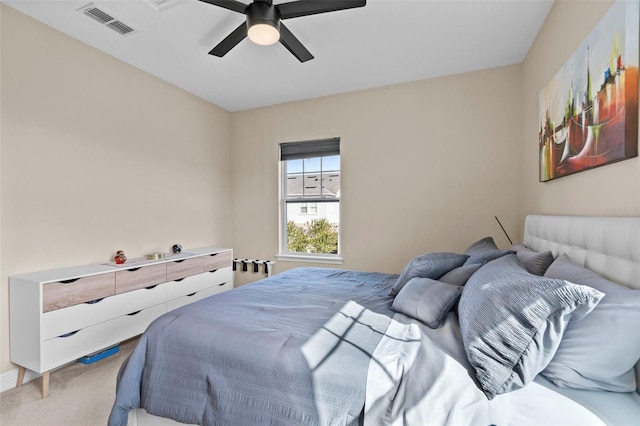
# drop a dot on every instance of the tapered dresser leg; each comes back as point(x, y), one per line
point(21, 371)
point(45, 385)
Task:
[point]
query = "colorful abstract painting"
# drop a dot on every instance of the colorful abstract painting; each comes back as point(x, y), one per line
point(589, 110)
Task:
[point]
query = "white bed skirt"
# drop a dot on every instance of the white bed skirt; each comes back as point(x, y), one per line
point(140, 417)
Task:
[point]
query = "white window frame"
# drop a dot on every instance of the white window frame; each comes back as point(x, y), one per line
point(284, 254)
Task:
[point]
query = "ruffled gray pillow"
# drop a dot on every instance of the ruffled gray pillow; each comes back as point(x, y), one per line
point(512, 322)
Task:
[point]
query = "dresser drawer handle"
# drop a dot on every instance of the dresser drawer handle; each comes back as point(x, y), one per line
point(179, 279)
point(134, 313)
point(68, 334)
point(192, 294)
point(134, 269)
point(179, 261)
point(213, 254)
point(72, 280)
point(220, 285)
point(212, 271)
point(151, 286)
point(91, 302)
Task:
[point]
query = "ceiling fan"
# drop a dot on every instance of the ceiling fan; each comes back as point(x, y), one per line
point(263, 24)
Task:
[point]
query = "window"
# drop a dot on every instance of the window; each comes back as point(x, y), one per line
point(310, 199)
point(309, 208)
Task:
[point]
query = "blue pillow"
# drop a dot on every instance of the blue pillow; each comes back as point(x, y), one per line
point(487, 256)
point(460, 275)
point(482, 245)
point(426, 300)
point(429, 265)
point(534, 262)
point(512, 322)
point(599, 352)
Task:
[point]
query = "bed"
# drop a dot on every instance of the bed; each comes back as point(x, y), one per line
point(542, 332)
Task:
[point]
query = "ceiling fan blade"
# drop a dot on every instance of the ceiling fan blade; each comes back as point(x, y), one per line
point(230, 41)
point(234, 5)
point(298, 8)
point(293, 45)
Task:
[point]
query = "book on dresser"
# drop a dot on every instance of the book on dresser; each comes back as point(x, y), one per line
point(60, 315)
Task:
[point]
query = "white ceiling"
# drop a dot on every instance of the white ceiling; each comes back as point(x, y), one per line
point(386, 42)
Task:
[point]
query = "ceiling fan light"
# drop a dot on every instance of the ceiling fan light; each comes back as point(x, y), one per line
point(264, 34)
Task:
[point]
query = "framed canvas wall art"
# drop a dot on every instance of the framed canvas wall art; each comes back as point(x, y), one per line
point(588, 112)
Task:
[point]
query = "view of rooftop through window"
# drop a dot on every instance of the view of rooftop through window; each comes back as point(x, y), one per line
point(313, 204)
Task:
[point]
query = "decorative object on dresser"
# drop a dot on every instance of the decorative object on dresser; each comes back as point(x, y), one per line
point(60, 315)
point(120, 258)
point(154, 256)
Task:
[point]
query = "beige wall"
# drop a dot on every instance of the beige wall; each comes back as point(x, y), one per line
point(425, 166)
point(609, 190)
point(99, 156)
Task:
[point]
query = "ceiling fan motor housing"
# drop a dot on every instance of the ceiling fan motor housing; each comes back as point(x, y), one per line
point(260, 12)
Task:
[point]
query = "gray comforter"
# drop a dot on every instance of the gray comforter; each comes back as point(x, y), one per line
point(236, 358)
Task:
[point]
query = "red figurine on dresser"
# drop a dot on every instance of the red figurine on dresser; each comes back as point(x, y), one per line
point(120, 258)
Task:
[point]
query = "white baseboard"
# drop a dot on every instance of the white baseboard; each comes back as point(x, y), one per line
point(8, 379)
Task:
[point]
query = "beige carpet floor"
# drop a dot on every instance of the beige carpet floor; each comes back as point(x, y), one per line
point(79, 395)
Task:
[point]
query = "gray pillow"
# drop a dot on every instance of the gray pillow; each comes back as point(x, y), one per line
point(599, 352)
point(460, 275)
point(426, 300)
point(487, 256)
point(429, 265)
point(518, 246)
point(512, 322)
point(485, 244)
point(534, 262)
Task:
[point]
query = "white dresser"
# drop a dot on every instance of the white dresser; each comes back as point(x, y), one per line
point(60, 315)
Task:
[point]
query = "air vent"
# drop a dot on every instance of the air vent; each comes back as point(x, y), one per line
point(120, 27)
point(98, 15)
point(106, 19)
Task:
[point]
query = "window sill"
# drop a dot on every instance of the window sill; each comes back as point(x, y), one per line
point(312, 258)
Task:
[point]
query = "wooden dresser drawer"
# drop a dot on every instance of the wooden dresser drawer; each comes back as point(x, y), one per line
point(217, 260)
point(61, 294)
point(179, 269)
point(83, 315)
point(136, 278)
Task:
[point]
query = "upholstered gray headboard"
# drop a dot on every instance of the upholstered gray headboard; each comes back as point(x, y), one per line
point(609, 246)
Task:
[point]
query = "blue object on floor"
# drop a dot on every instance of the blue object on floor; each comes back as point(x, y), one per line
point(97, 356)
